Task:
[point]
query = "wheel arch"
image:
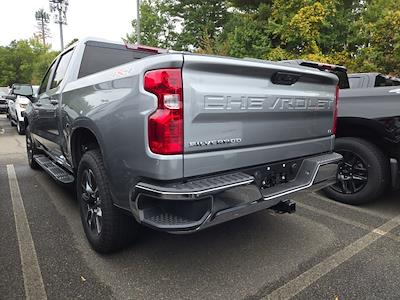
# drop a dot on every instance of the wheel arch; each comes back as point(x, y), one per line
point(83, 138)
point(367, 129)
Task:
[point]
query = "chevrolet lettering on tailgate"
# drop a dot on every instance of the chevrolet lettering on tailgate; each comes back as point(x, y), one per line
point(270, 103)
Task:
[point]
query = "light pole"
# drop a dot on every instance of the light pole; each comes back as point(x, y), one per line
point(60, 8)
point(138, 22)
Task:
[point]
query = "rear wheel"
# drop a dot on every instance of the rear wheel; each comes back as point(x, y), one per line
point(106, 228)
point(363, 174)
point(31, 150)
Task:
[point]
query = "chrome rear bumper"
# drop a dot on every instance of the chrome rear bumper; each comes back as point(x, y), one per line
point(198, 204)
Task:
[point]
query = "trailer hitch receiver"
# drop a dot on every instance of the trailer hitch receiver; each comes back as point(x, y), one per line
point(286, 206)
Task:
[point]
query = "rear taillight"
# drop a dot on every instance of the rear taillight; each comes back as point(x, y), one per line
point(335, 112)
point(165, 126)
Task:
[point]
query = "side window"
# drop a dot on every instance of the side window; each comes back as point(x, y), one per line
point(380, 81)
point(396, 82)
point(45, 81)
point(61, 69)
point(385, 81)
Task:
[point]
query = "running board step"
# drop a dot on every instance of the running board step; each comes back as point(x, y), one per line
point(53, 169)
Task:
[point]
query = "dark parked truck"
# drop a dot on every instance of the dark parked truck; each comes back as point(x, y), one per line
point(371, 80)
point(368, 134)
point(179, 141)
point(369, 139)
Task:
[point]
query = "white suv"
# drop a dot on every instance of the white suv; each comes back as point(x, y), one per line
point(16, 109)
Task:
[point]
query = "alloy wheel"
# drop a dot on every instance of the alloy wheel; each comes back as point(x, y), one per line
point(91, 202)
point(352, 174)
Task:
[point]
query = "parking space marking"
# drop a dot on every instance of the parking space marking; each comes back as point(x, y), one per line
point(304, 280)
point(33, 281)
point(352, 207)
point(335, 217)
point(348, 221)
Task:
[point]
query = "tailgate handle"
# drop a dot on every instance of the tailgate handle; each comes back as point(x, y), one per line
point(285, 78)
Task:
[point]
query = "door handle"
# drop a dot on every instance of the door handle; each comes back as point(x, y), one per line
point(38, 104)
point(54, 101)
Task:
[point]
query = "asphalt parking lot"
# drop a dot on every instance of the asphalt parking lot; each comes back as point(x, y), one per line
point(325, 250)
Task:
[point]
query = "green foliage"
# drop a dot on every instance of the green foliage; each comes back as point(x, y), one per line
point(199, 19)
point(248, 5)
point(24, 61)
point(156, 25)
point(360, 34)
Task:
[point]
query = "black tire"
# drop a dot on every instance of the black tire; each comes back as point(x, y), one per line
point(110, 230)
point(20, 128)
point(11, 122)
point(31, 150)
point(366, 158)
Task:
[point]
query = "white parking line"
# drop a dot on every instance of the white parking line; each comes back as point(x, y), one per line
point(347, 221)
point(33, 281)
point(304, 280)
point(335, 217)
point(351, 207)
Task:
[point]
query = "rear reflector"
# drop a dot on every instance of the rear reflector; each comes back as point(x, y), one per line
point(335, 111)
point(165, 125)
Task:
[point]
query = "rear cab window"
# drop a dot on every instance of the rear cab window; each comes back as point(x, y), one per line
point(100, 56)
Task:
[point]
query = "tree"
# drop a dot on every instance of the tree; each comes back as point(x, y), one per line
point(24, 61)
point(43, 19)
point(156, 25)
point(246, 35)
point(358, 34)
point(249, 5)
point(199, 19)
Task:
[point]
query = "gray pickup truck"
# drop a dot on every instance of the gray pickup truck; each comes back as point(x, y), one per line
point(179, 141)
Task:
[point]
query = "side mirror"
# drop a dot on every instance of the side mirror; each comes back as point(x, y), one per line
point(10, 97)
point(22, 90)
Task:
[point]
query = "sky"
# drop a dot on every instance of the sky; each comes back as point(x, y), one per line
point(105, 19)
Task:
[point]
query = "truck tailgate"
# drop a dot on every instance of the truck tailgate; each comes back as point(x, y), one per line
point(240, 113)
